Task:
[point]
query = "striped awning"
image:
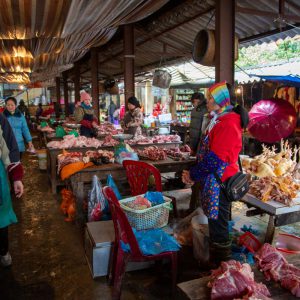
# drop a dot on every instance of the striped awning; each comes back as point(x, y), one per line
point(37, 37)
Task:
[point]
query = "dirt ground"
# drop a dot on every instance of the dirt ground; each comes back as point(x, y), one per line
point(48, 254)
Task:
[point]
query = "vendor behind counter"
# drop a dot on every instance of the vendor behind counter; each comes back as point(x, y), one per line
point(134, 118)
point(84, 115)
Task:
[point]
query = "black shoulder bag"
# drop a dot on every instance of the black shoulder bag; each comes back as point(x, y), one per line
point(237, 186)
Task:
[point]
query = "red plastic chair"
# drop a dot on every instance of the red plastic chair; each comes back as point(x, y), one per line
point(124, 233)
point(138, 173)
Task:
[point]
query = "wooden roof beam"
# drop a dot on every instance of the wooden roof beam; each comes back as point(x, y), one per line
point(163, 32)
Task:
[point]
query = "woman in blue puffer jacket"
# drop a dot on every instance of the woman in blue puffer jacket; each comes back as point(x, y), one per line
point(18, 124)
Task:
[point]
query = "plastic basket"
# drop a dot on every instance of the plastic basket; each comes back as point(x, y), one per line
point(249, 241)
point(153, 217)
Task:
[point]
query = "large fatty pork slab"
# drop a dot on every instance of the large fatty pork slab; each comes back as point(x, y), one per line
point(233, 280)
point(275, 267)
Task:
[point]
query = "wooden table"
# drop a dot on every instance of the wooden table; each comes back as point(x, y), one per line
point(53, 177)
point(85, 176)
point(197, 289)
point(79, 179)
point(279, 214)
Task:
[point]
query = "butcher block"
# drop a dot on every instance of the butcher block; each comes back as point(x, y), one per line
point(197, 289)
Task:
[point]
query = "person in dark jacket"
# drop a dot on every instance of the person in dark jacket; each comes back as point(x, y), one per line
point(11, 167)
point(39, 112)
point(197, 120)
point(24, 110)
point(133, 118)
point(111, 109)
point(197, 114)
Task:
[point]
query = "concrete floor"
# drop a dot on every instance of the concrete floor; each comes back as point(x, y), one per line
point(48, 255)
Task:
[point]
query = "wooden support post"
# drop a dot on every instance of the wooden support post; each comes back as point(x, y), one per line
point(281, 5)
point(128, 62)
point(66, 94)
point(57, 103)
point(95, 86)
point(77, 82)
point(225, 28)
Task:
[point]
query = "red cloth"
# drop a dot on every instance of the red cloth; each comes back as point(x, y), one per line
point(86, 123)
point(225, 140)
point(122, 112)
point(48, 112)
point(15, 172)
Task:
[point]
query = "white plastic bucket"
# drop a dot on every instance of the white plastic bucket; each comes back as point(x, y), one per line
point(42, 156)
point(200, 237)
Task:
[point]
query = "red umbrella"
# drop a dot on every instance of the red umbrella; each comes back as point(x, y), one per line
point(272, 120)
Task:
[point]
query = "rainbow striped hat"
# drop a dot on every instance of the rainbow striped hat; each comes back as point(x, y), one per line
point(220, 93)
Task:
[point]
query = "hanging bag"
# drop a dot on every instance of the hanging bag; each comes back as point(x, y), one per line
point(237, 186)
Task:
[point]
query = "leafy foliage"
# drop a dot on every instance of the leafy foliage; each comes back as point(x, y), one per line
point(266, 53)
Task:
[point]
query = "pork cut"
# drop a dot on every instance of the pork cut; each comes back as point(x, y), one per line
point(275, 267)
point(233, 280)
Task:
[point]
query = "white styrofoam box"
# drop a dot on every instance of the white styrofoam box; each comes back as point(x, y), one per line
point(98, 241)
point(165, 118)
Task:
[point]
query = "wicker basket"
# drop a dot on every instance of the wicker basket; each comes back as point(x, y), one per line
point(153, 217)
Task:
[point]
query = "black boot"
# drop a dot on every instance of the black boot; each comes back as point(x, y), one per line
point(219, 252)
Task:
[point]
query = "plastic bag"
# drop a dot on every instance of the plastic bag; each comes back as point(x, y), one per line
point(183, 231)
point(111, 183)
point(43, 124)
point(60, 132)
point(124, 152)
point(153, 241)
point(200, 237)
point(74, 132)
point(155, 198)
point(98, 207)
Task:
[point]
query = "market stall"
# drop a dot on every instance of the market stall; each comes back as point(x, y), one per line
point(83, 145)
point(274, 188)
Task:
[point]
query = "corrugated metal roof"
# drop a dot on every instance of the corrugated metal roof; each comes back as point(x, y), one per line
point(162, 35)
point(193, 73)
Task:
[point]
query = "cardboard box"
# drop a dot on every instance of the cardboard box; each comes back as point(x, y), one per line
point(98, 241)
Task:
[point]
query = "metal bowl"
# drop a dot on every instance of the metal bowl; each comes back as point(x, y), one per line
point(122, 137)
point(72, 126)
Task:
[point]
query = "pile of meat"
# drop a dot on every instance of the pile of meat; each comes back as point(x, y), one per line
point(107, 129)
point(275, 267)
point(102, 156)
point(280, 189)
point(166, 138)
point(233, 280)
point(70, 141)
point(271, 163)
point(109, 141)
point(158, 139)
point(177, 153)
point(140, 140)
point(67, 158)
point(152, 153)
point(45, 129)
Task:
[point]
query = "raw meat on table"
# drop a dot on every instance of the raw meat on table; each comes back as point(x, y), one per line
point(67, 158)
point(152, 153)
point(70, 141)
point(275, 267)
point(233, 280)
